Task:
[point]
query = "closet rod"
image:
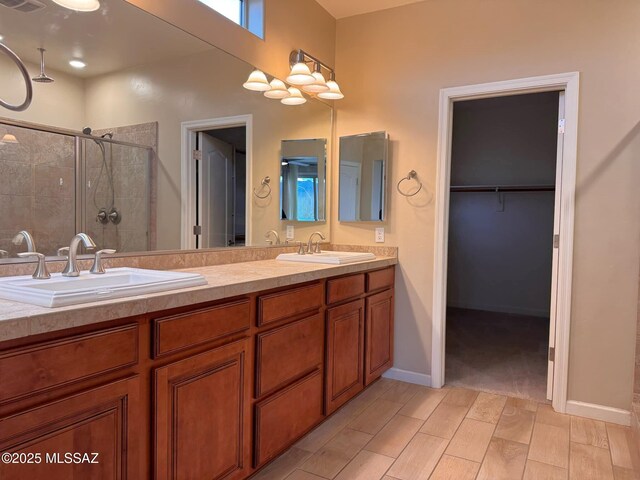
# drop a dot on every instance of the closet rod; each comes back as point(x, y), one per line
point(502, 188)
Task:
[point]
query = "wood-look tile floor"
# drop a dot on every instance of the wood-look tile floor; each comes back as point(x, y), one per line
point(400, 431)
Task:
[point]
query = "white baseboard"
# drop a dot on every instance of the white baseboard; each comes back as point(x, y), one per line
point(599, 412)
point(408, 376)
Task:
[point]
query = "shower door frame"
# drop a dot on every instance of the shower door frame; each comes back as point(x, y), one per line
point(569, 84)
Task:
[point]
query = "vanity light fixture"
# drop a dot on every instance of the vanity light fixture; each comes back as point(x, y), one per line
point(300, 73)
point(257, 82)
point(333, 93)
point(79, 5)
point(77, 63)
point(278, 90)
point(9, 138)
point(319, 84)
point(295, 97)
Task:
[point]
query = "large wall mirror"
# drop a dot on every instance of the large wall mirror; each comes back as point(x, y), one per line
point(363, 173)
point(303, 180)
point(145, 139)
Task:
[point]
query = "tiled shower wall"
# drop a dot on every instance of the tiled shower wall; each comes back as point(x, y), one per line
point(133, 186)
point(37, 191)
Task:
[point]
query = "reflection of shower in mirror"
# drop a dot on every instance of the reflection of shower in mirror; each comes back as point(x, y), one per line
point(108, 213)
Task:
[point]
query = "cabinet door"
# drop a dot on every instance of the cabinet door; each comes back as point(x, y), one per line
point(201, 416)
point(345, 353)
point(93, 435)
point(379, 335)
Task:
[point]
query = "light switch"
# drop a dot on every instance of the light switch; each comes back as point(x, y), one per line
point(291, 233)
point(380, 235)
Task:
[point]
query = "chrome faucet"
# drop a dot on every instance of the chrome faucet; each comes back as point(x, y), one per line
point(71, 269)
point(24, 236)
point(310, 243)
point(275, 235)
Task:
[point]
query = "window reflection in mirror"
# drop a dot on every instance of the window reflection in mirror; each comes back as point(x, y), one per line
point(303, 180)
point(363, 171)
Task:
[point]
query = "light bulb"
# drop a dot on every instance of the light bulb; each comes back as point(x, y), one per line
point(79, 5)
point(257, 82)
point(278, 90)
point(300, 75)
point(295, 97)
point(333, 93)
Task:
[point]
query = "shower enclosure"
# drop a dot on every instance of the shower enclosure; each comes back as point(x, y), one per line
point(55, 183)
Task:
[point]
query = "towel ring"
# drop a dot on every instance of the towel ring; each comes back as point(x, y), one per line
point(411, 175)
point(264, 183)
point(25, 74)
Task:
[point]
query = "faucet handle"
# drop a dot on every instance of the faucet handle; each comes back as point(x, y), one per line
point(4, 254)
point(317, 249)
point(301, 250)
point(41, 273)
point(97, 266)
point(63, 252)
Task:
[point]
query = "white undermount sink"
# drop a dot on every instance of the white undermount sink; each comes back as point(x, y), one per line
point(329, 257)
point(59, 291)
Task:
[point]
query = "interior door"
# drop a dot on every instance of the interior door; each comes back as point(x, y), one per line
point(556, 251)
point(216, 192)
point(349, 192)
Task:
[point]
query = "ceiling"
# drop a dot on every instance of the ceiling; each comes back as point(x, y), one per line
point(115, 37)
point(342, 8)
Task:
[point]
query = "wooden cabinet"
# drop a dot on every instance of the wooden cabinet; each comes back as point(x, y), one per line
point(378, 335)
point(345, 353)
point(100, 424)
point(202, 416)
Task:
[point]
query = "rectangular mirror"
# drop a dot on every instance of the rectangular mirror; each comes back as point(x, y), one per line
point(363, 173)
point(303, 180)
point(151, 143)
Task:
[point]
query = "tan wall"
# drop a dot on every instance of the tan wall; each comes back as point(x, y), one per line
point(191, 88)
point(289, 25)
point(408, 53)
point(59, 103)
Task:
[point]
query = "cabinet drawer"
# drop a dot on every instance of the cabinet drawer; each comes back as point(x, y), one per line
point(178, 332)
point(288, 352)
point(380, 279)
point(345, 288)
point(31, 370)
point(294, 301)
point(286, 416)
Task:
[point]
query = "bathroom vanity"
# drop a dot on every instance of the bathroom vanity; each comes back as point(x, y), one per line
point(206, 390)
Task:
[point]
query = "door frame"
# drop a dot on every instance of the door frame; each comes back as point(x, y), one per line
point(187, 172)
point(569, 83)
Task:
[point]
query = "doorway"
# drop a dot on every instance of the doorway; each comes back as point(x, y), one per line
point(481, 217)
point(216, 172)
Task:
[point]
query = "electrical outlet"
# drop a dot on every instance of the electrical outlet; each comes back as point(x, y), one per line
point(380, 235)
point(290, 232)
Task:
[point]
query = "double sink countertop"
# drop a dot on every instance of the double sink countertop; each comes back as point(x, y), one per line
point(18, 320)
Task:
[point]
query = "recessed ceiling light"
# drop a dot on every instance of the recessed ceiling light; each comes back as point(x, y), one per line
point(75, 63)
point(1, 38)
point(79, 5)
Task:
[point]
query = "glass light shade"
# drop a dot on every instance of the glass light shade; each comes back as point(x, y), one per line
point(319, 85)
point(333, 93)
point(79, 5)
point(278, 90)
point(77, 63)
point(295, 97)
point(300, 75)
point(257, 82)
point(9, 138)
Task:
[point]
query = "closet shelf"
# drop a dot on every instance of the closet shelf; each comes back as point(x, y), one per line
point(502, 188)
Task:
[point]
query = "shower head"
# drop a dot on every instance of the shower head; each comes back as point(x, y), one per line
point(43, 77)
point(87, 130)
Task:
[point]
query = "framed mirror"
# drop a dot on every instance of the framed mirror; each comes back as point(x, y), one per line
point(303, 180)
point(145, 139)
point(363, 177)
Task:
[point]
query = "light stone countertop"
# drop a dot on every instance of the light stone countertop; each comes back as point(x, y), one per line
point(19, 320)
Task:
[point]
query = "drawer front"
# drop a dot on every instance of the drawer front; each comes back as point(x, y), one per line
point(380, 279)
point(177, 332)
point(286, 416)
point(288, 352)
point(31, 370)
point(345, 288)
point(288, 303)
